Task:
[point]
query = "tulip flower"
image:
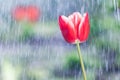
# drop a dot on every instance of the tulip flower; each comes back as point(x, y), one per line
point(29, 13)
point(26, 16)
point(75, 29)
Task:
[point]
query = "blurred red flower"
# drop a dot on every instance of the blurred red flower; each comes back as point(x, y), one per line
point(75, 27)
point(30, 13)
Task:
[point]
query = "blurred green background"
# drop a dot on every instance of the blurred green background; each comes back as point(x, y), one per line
point(37, 51)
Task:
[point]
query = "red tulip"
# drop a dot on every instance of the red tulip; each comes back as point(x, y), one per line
point(30, 13)
point(75, 27)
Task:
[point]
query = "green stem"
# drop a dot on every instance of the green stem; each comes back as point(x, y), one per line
point(81, 61)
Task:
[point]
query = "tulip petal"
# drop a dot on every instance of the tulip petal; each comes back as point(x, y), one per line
point(84, 28)
point(71, 18)
point(67, 29)
point(32, 13)
point(76, 19)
